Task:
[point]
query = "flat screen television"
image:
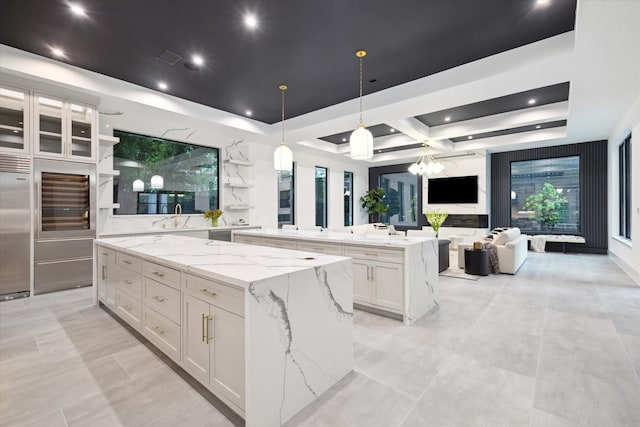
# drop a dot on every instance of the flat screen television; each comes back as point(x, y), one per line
point(457, 189)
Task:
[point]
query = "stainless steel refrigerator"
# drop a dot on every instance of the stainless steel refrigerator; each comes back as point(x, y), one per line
point(15, 226)
point(64, 224)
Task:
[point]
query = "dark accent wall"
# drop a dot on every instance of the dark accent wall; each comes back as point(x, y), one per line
point(593, 190)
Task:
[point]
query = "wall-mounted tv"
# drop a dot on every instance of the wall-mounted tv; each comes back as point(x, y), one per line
point(457, 189)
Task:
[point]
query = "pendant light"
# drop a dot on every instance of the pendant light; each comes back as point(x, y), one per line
point(426, 164)
point(157, 182)
point(361, 140)
point(283, 157)
point(138, 185)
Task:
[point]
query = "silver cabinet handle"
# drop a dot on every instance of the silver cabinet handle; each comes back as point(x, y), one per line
point(159, 298)
point(368, 273)
point(157, 273)
point(127, 307)
point(207, 291)
point(128, 282)
point(127, 262)
point(104, 272)
point(204, 335)
point(158, 329)
point(372, 269)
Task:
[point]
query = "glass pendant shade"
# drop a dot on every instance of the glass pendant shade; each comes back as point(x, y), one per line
point(157, 182)
point(283, 159)
point(138, 185)
point(361, 143)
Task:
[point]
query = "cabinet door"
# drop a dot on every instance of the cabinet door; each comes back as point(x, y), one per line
point(228, 361)
point(196, 338)
point(13, 128)
point(81, 138)
point(107, 283)
point(50, 126)
point(389, 281)
point(362, 284)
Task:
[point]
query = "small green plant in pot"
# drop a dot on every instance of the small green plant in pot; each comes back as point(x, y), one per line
point(373, 203)
point(436, 218)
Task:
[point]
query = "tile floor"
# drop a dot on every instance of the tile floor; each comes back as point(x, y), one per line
point(556, 345)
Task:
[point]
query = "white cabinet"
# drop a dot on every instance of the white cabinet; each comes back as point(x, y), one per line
point(107, 277)
point(14, 120)
point(128, 289)
point(64, 129)
point(378, 283)
point(213, 337)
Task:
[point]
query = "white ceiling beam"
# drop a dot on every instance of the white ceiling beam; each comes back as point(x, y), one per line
point(512, 139)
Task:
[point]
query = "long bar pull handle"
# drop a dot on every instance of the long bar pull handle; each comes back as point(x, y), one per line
point(207, 291)
point(104, 272)
point(372, 269)
point(208, 336)
point(368, 273)
point(159, 298)
point(204, 334)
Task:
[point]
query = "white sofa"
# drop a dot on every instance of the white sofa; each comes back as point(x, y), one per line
point(512, 250)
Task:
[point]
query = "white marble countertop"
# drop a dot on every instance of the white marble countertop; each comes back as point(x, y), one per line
point(336, 237)
point(233, 263)
point(175, 230)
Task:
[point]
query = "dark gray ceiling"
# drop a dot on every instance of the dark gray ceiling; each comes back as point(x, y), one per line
point(511, 131)
point(309, 45)
point(517, 101)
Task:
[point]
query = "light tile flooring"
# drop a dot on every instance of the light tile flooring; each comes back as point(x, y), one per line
point(558, 344)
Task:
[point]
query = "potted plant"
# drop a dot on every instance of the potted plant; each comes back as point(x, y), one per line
point(213, 215)
point(373, 203)
point(436, 219)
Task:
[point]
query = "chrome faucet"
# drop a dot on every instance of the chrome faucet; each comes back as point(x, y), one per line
point(177, 213)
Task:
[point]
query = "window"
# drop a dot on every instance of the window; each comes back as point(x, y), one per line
point(545, 195)
point(286, 197)
point(156, 174)
point(321, 197)
point(399, 189)
point(624, 182)
point(348, 198)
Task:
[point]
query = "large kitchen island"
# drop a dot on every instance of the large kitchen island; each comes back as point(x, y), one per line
point(392, 275)
point(265, 331)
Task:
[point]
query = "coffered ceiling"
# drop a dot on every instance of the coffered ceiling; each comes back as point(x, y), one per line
point(467, 75)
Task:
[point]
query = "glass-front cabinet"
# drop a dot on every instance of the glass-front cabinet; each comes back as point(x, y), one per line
point(63, 128)
point(14, 129)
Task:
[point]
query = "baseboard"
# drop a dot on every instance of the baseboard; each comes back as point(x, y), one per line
point(631, 272)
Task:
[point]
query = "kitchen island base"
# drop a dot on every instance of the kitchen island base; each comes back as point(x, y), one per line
point(265, 333)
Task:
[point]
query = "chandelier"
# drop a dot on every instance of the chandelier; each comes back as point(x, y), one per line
point(426, 164)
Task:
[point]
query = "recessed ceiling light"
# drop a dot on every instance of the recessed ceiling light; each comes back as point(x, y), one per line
point(163, 86)
point(15, 131)
point(248, 112)
point(251, 21)
point(470, 137)
point(538, 127)
point(532, 101)
point(542, 2)
point(108, 126)
point(57, 52)
point(447, 119)
point(392, 130)
point(197, 60)
point(344, 139)
point(77, 9)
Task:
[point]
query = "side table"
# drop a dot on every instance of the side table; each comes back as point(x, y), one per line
point(443, 254)
point(476, 261)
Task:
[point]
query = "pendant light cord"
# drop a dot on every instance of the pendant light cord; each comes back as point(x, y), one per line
point(361, 90)
point(282, 88)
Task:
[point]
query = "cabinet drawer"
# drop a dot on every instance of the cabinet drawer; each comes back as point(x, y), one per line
point(278, 243)
point(162, 298)
point(374, 254)
point(106, 255)
point(162, 332)
point(162, 274)
point(129, 281)
point(216, 293)
point(247, 240)
point(128, 261)
point(129, 309)
point(321, 248)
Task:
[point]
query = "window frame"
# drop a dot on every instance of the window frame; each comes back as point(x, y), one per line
point(348, 205)
point(324, 223)
point(292, 198)
point(624, 188)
